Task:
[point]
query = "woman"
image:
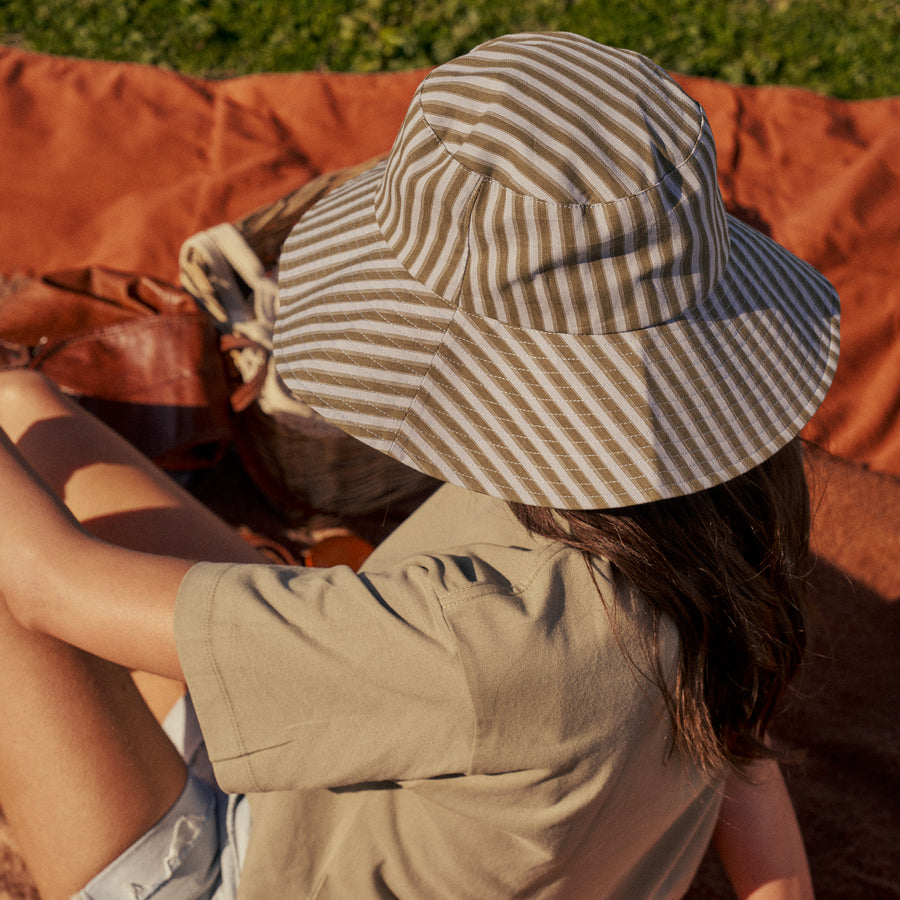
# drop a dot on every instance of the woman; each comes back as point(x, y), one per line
point(554, 679)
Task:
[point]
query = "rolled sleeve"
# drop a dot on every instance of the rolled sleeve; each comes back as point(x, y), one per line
point(320, 677)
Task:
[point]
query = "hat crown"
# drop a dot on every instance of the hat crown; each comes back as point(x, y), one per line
point(548, 182)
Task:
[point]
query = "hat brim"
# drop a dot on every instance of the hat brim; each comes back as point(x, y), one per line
point(561, 420)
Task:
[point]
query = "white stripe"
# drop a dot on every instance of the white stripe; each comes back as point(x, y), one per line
point(783, 402)
point(371, 280)
point(618, 86)
point(679, 419)
point(511, 409)
point(418, 226)
point(440, 218)
point(484, 258)
point(440, 400)
point(421, 158)
point(520, 290)
point(317, 341)
point(333, 399)
point(315, 280)
point(602, 419)
point(569, 307)
point(357, 229)
point(615, 294)
point(625, 374)
point(301, 327)
point(621, 86)
point(498, 157)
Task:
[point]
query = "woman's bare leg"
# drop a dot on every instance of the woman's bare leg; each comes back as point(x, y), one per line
point(85, 768)
point(110, 486)
point(112, 489)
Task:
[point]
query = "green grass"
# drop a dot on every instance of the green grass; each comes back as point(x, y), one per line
point(847, 48)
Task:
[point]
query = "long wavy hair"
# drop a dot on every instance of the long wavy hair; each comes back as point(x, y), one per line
point(728, 565)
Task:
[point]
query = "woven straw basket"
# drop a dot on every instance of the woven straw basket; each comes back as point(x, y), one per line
point(298, 460)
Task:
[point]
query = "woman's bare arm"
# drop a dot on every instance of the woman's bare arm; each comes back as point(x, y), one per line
point(58, 579)
point(758, 838)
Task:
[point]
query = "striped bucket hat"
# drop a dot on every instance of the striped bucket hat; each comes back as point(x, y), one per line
point(539, 295)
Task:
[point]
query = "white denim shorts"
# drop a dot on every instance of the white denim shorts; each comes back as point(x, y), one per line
point(196, 850)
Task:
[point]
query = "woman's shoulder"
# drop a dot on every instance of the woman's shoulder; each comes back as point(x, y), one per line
point(450, 519)
point(467, 545)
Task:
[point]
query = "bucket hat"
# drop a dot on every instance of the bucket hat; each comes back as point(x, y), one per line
point(539, 295)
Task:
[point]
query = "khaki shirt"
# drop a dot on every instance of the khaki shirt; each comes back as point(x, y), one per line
point(460, 720)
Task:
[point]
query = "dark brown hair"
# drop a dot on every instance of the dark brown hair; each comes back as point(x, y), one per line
point(728, 566)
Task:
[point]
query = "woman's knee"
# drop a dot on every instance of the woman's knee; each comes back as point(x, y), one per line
point(25, 397)
point(24, 386)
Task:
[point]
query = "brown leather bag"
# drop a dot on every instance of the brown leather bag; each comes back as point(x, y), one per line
point(134, 350)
